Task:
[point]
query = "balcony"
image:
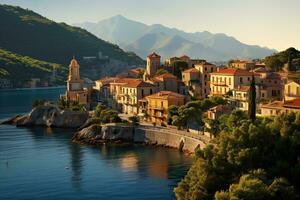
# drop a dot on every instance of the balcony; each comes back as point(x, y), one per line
point(156, 108)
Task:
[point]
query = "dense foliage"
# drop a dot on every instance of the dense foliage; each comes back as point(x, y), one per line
point(178, 67)
point(259, 160)
point(192, 111)
point(22, 68)
point(102, 114)
point(28, 33)
point(70, 105)
point(276, 62)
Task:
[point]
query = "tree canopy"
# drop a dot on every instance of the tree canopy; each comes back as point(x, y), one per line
point(247, 160)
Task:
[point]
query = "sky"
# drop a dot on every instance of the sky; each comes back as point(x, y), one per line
point(271, 23)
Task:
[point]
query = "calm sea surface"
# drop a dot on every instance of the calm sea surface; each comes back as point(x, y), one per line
point(41, 163)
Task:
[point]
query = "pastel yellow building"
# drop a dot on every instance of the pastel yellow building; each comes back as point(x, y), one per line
point(75, 90)
point(292, 90)
point(242, 64)
point(158, 104)
point(225, 80)
point(132, 92)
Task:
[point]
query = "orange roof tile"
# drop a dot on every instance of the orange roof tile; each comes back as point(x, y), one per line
point(274, 104)
point(233, 71)
point(138, 83)
point(166, 75)
point(295, 103)
point(165, 95)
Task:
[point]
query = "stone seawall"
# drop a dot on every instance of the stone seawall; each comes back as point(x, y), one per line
point(168, 139)
point(172, 138)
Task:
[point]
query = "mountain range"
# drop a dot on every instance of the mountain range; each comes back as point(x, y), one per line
point(31, 42)
point(143, 39)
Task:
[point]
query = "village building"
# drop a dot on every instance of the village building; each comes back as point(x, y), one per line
point(156, 106)
point(191, 79)
point(292, 90)
point(217, 111)
point(240, 97)
point(271, 85)
point(75, 90)
point(242, 64)
point(276, 107)
point(205, 69)
point(153, 64)
point(227, 79)
point(166, 81)
point(132, 92)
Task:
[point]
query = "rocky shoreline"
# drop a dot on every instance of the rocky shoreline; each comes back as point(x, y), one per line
point(96, 134)
point(50, 116)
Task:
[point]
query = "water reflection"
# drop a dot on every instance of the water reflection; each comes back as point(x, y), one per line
point(76, 165)
point(129, 162)
point(155, 162)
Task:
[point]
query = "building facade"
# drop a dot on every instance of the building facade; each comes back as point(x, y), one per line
point(75, 90)
point(157, 106)
point(292, 90)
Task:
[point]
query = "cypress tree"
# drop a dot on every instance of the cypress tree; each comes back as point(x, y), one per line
point(252, 100)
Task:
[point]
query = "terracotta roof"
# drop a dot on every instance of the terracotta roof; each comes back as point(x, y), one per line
point(185, 56)
point(138, 83)
point(165, 95)
point(233, 71)
point(295, 103)
point(153, 55)
point(136, 70)
point(191, 70)
point(274, 104)
point(243, 88)
point(166, 75)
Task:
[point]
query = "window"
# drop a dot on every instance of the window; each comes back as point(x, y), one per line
point(229, 79)
point(225, 80)
point(248, 78)
point(162, 104)
point(213, 79)
point(150, 91)
point(263, 95)
point(211, 69)
point(142, 92)
point(241, 79)
point(205, 69)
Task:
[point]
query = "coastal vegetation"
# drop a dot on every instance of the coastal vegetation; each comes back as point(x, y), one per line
point(277, 61)
point(103, 114)
point(247, 160)
point(20, 69)
point(192, 111)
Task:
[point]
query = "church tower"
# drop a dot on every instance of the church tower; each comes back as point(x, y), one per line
point(74, 82)
point(153, 64)
point(75, 90)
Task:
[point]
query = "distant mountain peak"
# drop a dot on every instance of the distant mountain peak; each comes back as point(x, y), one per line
point(142, 38)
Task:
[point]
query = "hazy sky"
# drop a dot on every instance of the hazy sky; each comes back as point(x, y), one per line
point(271, 23)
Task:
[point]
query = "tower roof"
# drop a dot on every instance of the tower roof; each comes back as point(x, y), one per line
point(153, 55)
point(74, 62)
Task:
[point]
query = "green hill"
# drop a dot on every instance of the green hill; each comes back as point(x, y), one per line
point(288, 60)
point(20, 69)
point(28, 33)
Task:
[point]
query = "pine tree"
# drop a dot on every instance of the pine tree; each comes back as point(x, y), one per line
point(252, 100)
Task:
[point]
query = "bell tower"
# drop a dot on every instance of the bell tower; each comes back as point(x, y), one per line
point(153, 64)
point(74, 82)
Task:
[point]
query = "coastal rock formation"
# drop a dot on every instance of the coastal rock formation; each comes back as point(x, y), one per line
point(103, 133)
point(98, 134)
point(51, 116)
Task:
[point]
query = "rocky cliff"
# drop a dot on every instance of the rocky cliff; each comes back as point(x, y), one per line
point(51, 116)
